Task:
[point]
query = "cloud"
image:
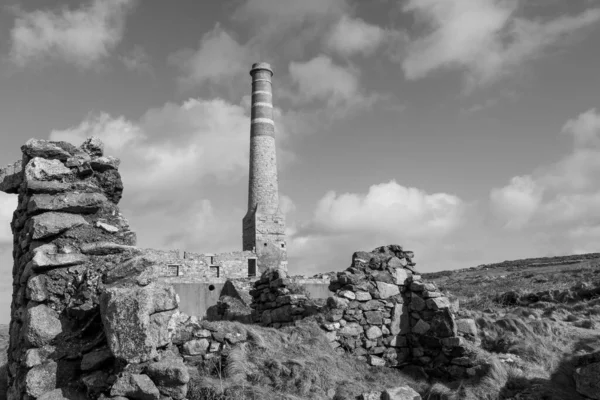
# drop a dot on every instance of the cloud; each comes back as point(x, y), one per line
point(219, 57)
point(8, 204)
point(559, 202)
point(388, 213)
point(285, 12)
point(321, 79)
point(484, 38)
point(82, 36)
point(584, 129)
point(354, 36)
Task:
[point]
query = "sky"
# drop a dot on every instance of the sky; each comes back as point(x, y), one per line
point(467, 131)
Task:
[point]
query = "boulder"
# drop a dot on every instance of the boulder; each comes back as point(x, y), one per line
point(126, 314)
point(41, 325)
point(82, 203)
point(47, 149)
point(587, 380)
point(53, 223)
point(401, 393)
point(40, 169)
point(170, 371)
point(136, 387)
point(41, 379)
point(387, 289)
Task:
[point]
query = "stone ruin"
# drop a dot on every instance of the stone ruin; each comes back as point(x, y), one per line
point(382, 312)
point(90, 317)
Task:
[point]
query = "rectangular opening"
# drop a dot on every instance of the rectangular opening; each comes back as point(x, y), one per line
point(252, 267)
point(172, 270)
point(214, 271)
point(212, 259)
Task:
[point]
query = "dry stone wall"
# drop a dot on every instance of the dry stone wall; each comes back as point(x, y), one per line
point(89, 317)
point(381, 312)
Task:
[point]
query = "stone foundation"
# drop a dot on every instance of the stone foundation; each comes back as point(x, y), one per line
point(382, 312)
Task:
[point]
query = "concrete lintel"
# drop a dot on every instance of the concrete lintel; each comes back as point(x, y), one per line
point(11, 177)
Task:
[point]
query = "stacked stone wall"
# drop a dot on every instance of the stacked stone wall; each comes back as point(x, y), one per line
point(381, 312)
point(89, 319)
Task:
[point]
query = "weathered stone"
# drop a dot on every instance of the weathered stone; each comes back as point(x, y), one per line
point(416, 286)
point(106, 248)
point(374, 317)
point(36, 288)
point(41, 379)
point(162, 328)
point(398, 263)
point(400, 393)
point(96, 382)
point(40, 169)
point(466, 326)
point(373, 332)
point(126, 312)
point(168, 372)
point(46, 257)
point(83, 203)
point(351, 329)
point(376, 361)
point(363, 296)
point(400, 323)
point(402, 276)
point(427, 295)
point(53, 223)
point(383, 276)
point(196, 347)
point(93, 146)
point(41, 325)
point(102, 164)
point(442, 324)
point(95, 359)
point(416, 302)
point(337, 302)
point(135, 386)
point(437, 303)
point(139, 270)
point(371, 305)
point(106, 227)
point(387, 290)
point(45, 149)
point(37, 356)
point(586, 380)
point(421, 327)
point(11, 177)
point(347, 294)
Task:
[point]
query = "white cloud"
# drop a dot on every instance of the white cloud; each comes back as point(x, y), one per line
point(8, 204)
point(219, 57)
point(353, 35)
point(486, 38)
point(283, 12)
point(517, 202)
point(388, 213)
point(559, 202)
point(584, 128)
point(321, 79)
point(83, 36)
point(389, 208)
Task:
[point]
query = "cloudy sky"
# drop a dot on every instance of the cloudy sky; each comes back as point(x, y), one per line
point(467, 131)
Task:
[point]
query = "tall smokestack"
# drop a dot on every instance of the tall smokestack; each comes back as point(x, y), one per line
point(263, 186)
point(264, 224)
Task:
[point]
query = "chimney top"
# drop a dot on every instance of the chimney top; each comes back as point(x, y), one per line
point(261, 66)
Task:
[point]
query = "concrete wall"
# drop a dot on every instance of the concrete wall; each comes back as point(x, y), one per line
point(316, 289)
point(196, 298)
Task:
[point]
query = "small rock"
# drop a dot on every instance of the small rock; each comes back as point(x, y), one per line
point(401, 393)
point(53, 223)
point(93, 146)
point(106, 227)
point(376, 361)
point(387, 290)
point(347, 294)
point(466, 326)
point(373, 332)
point(41, 325)
point(363, 296)
point(195, 347)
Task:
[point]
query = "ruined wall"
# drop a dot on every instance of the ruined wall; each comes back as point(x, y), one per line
point(199, 267)
point(381, 312)
point(89, 317)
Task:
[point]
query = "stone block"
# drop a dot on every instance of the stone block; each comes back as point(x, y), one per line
point(53, 223)
point(82, 203)
point(37, 356)
point(443, 324)
point(376, 361)
point(135, 386)
point(41, 325)
point(438, 303)
point(374, 317)
point(45, 257)
point(46, 149)
point(373, 332)
point(196, 347)
point(401, 393)
point(363, 296)
point(41, 379)
point(417, 303)
point(40, 169)
point(387, 290)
